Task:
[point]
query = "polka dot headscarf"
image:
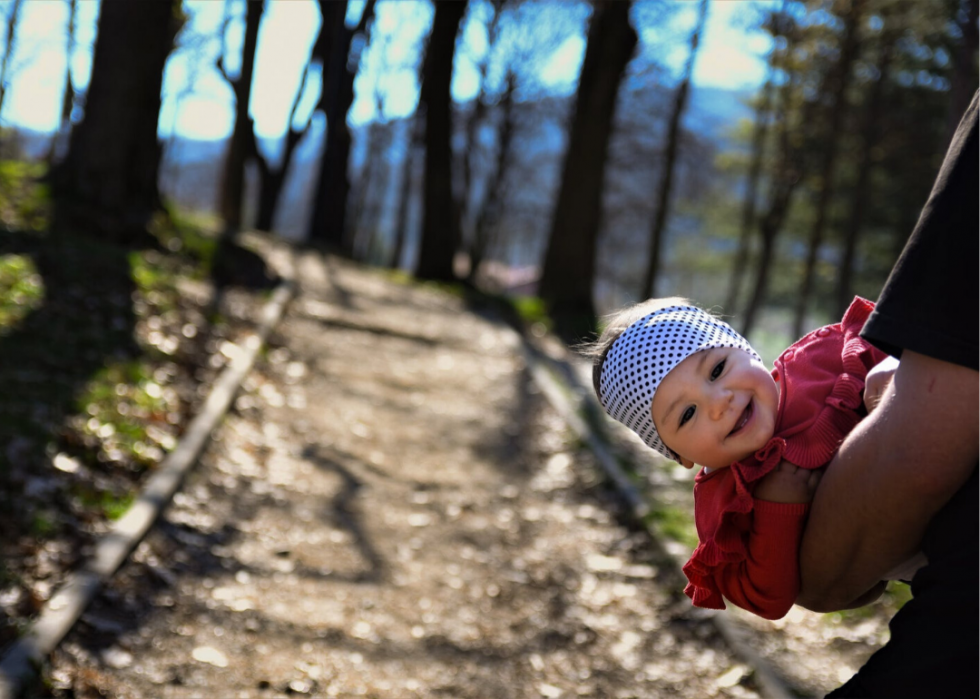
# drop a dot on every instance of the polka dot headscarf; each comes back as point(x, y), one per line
point(644, 354)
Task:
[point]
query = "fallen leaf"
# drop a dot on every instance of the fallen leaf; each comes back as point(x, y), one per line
point(209, 655)
point(732, 677)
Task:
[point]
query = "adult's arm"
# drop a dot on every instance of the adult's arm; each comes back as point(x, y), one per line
point(892, 474)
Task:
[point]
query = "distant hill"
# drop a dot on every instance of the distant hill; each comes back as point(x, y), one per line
point(25, 143)
point(191, 169)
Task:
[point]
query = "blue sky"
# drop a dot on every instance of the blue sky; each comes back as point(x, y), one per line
point(732, 56)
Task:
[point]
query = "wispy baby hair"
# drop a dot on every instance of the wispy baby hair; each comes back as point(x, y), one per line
point(615, 324)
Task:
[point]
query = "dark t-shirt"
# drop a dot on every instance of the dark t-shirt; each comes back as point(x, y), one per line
point(930, 302)
point(930, 306)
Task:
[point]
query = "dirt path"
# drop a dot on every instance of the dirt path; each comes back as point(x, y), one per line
point(392, 511)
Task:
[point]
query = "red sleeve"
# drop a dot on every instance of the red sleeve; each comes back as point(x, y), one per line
point(767, 582)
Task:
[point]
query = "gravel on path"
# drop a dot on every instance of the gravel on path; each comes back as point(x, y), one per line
point(393, 510)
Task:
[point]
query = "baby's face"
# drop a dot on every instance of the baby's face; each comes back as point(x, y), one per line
point(715, 407)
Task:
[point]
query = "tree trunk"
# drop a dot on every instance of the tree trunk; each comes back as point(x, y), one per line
point(787, 176)
point(108, 181)
point(786, 181)
point(440, 223)
point(363, 231)
point(859, 193)
point(8, 51)
point(670, 157)
point(748, 223)
point(270, 188)
point(68, 96)
point(328, 221)
point(271, 179)
point(569, 263)
point(405, 191)
point(478, 116)
point(323, 229)
point(836, 86)
point(233, 178)
point(489, 212)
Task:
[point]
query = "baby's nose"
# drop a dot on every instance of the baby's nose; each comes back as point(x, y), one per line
point(719, 405)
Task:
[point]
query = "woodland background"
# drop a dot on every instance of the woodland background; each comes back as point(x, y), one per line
point(780, 203)
point(118, 236)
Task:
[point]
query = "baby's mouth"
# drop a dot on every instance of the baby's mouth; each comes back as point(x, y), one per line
point(746, 416)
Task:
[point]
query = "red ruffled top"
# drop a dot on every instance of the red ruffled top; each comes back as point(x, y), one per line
point(749, 548)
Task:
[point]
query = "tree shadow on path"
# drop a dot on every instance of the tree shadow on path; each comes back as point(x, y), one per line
point(85, 321)
point(343, 511)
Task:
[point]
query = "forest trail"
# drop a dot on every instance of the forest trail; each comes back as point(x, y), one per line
point(392, 510)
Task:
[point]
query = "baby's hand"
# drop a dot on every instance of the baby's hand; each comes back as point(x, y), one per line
point(877, 381)
point(788, 484)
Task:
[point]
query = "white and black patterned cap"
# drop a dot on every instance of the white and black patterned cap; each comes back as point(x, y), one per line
point(645, 353)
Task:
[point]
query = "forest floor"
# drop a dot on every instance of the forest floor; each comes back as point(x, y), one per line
point(392, 509)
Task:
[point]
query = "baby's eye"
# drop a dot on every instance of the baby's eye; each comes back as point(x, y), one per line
point(719, 367)
point(688, 414)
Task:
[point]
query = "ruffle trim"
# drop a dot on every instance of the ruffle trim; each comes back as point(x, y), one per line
point(842, 407)
point(727, 545)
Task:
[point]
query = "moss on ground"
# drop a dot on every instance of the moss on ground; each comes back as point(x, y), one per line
point(101, 353)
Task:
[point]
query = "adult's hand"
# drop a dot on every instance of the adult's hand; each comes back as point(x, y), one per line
point(891, 475)
point(787, 483)
point(877, 382)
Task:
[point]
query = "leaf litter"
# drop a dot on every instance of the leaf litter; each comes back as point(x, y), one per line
point(432, 533)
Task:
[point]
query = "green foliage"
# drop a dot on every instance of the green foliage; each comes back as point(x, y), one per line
point(157, 274)
point(449, 288)
point(125, 410)
point(110, 505)
point(127, 413)
point(24, 200)
point(192, 235)
point(43, 524)
point(21, 290)
point(771, 335)
point(146, 271)
point(399, 276)
point(456, 289)
point(909, 132)
point(675, 523)
point(70, 311)
point(94, 338)
point(533, 311)
point(895, 596)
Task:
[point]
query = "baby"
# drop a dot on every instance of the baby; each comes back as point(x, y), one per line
point(695, 391)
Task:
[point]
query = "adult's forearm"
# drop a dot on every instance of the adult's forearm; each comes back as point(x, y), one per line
point(890, 477)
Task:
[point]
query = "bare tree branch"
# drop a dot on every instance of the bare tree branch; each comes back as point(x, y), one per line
point(366, 16)
point(223, 33)
point(8, 50)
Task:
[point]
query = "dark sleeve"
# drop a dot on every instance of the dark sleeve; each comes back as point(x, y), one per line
point(929, 304)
